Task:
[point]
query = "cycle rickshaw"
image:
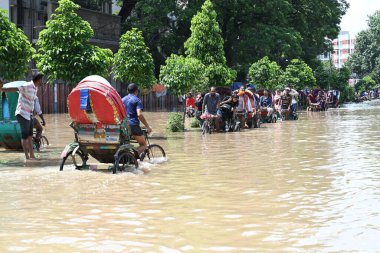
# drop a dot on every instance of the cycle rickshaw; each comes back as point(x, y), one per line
point(100, 129)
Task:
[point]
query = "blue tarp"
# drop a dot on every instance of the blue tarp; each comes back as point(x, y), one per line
point(84, 93)
point(6, 115)
point(237, 85)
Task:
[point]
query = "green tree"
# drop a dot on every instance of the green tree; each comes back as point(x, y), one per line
point(133, 63)
point(315, 21)
point(330, 77)
point(64, 50)
point(206, 45)
point(251, 29)
point(366, 58)
point(266, 74)
point(183, 74)
point(365, 84)
point(298, 75)
point(15, 50)
point(92, 4)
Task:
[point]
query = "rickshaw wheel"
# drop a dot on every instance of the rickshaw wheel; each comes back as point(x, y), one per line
point(79, 164)
point(44, 141)
point(126, 161)
point(153, 152)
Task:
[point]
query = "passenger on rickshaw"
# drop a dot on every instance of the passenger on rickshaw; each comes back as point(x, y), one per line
point(210, 106)
point(266, 103)
point(312, 102)
point(190, 105)
point(198, 107)
point(134, 109)
point(294, 103)
point(246, 98)
point(227, 108)
point(286, 101)
point(321, 99)
point(277, 100)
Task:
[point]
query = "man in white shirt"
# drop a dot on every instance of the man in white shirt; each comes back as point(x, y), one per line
point(24, 112)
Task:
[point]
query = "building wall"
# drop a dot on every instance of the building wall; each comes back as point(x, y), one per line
point(33, 15)
point(344, 46)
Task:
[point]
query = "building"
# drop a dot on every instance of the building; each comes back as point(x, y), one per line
point(31, 17)
point(343, 46)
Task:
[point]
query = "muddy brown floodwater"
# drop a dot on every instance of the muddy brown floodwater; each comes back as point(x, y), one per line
point(311, 185)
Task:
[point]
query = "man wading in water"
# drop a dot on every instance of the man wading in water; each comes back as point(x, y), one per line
point(24, 112)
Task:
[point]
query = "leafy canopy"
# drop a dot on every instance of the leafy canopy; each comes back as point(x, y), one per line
point(366, 58)
point(15, 50)
point(64, 50)
point(133, 63)
point(183, 74)
point(298, 75)
point(266, 74)
point(329, 77)
point(206, 44)
point(251, 29)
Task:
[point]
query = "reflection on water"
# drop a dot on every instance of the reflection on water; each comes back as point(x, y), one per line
point(306, 186)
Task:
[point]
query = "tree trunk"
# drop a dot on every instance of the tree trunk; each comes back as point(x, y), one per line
point(126, 9)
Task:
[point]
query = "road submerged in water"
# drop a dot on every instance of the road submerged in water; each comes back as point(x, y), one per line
point(311, 185)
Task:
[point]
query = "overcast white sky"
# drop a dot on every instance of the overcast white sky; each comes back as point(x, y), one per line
point(356, 17)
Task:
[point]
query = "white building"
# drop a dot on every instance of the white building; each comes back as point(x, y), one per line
point(343, 46)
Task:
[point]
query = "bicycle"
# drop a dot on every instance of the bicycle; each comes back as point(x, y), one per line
point(154, 152)
point(39, 142)
point(208, 124)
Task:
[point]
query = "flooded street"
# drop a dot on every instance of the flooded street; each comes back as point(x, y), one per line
point(311, 185)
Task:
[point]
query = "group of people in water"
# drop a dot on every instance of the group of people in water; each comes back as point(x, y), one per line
point(245, 106)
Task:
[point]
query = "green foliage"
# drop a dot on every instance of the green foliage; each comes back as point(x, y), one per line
point(15, 50)
point(206, 44)
point(329, 77)
point(92, 4)
point(161, 34)
point(366, 84)
point(133, 63)
point(181, 75)
point(219, 75)
point(347, 94)
point(366, 58)
point(298, 75)
point(251, 29)
point(175, 122)
point(266, 74)
point(64, 51)
point(194, 123)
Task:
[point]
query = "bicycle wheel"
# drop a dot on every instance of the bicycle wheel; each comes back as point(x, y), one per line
point(36, 143)
point(205, 127)
point(126, 161)
point(79, 160)
point(154, 153)
point(44, 141)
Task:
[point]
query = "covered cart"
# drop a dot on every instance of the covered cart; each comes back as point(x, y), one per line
point(100, 128)
point(10, 132)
